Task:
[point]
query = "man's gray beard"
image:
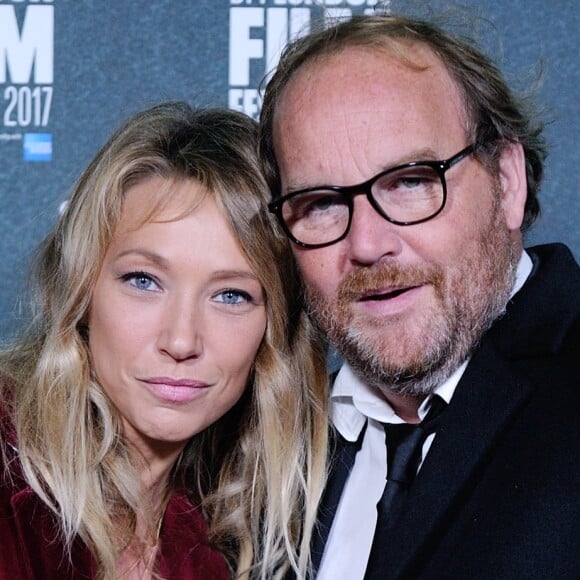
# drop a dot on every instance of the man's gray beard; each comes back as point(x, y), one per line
point(471, 296)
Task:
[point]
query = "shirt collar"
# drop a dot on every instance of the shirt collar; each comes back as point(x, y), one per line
point(524, 269)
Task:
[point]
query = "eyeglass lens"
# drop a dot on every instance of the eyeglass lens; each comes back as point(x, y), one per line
point(406, 195)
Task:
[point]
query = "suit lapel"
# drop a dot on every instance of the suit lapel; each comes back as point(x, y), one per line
point(340, 467)
point(486, 398)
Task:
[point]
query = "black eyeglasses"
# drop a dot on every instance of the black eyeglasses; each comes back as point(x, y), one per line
point(404, 195)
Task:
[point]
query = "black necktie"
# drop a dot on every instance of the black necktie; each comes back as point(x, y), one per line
point(404, 449)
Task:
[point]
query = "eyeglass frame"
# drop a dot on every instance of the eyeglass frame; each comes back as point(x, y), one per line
point(350, 191)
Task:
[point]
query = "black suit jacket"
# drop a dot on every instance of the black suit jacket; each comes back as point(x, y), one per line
point(498, 496)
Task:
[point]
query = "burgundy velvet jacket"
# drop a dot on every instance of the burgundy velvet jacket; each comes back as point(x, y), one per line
point(30, 547)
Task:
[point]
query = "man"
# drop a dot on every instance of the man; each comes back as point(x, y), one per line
point(404, 171)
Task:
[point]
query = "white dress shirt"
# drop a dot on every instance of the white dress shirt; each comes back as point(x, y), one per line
point(352, 405)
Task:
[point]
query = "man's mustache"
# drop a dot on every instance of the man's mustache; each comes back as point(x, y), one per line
point(385, 278)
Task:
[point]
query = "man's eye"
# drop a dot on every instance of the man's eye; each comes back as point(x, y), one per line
point(322, 203)
point(420, 178)
point(410, 182)
point(312, 204)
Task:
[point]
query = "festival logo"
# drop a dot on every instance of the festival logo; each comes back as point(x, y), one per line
point(26, 76)
point(259, 30)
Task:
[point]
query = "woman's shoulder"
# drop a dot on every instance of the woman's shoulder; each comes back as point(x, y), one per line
point(25, 522)
point(13, 487)
point(30, 538)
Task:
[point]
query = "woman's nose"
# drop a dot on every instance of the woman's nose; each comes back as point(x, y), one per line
point(181, 334)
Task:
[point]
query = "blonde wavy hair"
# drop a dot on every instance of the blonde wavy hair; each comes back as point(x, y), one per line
point(258, 472)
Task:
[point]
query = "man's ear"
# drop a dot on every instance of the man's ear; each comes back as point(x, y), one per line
point(513, 183)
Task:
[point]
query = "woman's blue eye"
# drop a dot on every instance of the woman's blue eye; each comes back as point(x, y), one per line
point(233, 297)
point(141, 281)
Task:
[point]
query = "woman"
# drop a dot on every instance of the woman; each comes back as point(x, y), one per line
point(168, 351)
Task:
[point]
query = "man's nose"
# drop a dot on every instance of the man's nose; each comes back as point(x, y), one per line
point(371, 236)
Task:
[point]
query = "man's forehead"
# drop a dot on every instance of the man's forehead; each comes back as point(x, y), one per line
point(360, 77)
point(327, 80)
point(362, 104)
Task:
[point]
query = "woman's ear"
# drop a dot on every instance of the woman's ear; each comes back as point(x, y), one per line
point(513, 183)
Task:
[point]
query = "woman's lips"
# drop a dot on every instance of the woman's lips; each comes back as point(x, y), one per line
point(175, 390)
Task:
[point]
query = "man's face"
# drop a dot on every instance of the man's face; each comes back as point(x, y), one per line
point(403, 304)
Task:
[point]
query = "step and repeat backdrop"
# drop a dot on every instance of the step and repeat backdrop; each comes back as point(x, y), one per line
point(72, 70)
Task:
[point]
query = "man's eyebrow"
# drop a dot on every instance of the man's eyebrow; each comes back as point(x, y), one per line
point(422, 154)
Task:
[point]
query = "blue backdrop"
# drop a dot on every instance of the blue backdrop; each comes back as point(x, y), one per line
point(72, 70)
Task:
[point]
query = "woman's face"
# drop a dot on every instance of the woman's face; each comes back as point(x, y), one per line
point(176, 319)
